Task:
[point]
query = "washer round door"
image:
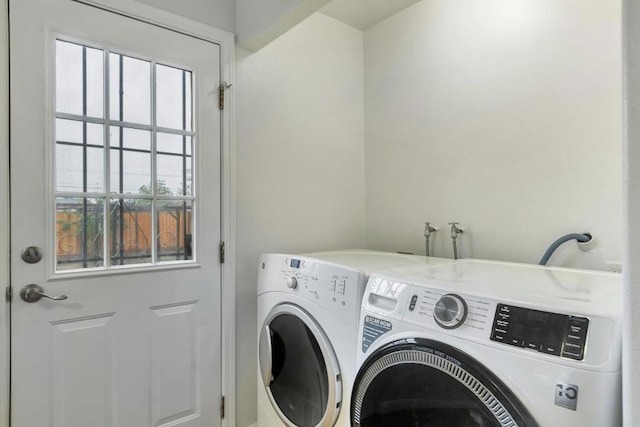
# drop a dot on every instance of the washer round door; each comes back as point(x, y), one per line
point(419, 382)
point(299, 368)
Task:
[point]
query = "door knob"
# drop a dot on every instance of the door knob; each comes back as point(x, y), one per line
point(33, 293)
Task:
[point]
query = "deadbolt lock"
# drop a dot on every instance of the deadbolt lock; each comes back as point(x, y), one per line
point(31, 254)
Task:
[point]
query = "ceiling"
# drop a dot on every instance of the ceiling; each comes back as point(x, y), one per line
point(362, 14)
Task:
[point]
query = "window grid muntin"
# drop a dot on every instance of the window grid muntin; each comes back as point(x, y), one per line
point(154, 174)
point(107, 197)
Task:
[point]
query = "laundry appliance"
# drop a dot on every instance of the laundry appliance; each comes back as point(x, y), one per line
point(308, 313)
point(483, 343)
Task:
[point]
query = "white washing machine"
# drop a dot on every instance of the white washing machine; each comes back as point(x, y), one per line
point(308, 314)
point(482, 343)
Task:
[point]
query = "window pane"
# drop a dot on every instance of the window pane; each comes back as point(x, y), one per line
point(173, 98)
point(130, 161)
point(133, 138)
point(68, 78)
point(136, 139)
point(188, 102)
point(95, 82)
point(69, 131)
point(170, 143)
point(95, 134)
point(70, 169)
point(129, 89)
point(174, 175)
point(175, 230)
point(114, 86)
point(114, 136)
point(69, 176)
point(79, 233)
point(79, 74)
point(95, 170)
point(130, 236)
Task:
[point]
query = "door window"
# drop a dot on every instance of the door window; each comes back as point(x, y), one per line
point(124, 160)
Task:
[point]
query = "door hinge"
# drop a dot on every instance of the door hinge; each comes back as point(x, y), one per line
point(9, 293)
point(221, 88)
point(221, 252)
point(221, 406)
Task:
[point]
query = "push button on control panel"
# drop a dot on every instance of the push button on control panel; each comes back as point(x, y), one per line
point(412, 304)
point(518, 342)
point(551, 349)
point(575, 337)
point(532, 345)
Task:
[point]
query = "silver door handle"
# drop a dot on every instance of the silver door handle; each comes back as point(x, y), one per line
point(33, 293)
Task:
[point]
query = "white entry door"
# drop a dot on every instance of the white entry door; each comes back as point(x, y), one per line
point(115, 171)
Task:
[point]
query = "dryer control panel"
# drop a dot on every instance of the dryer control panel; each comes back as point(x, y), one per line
point(336, 288)
point(546, 332)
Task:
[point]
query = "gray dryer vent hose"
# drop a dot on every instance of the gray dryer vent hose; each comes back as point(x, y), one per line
point(580, 237)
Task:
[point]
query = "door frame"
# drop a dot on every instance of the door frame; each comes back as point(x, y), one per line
point(227, 191)
point(5, 307)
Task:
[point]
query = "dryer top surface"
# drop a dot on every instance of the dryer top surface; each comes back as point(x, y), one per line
point(369, 261)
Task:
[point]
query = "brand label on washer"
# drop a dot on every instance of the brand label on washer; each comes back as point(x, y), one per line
point(567, 395)
point(372, 330)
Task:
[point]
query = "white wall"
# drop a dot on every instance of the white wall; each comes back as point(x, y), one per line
point(502, 115)
point(299, 162)
point(631, 334)
point(217, 13)
point(259, 22)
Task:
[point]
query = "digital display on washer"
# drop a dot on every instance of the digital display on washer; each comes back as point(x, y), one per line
point(295, 263)
point(546, 332)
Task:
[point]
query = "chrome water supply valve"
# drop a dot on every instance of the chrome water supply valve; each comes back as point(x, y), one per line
point(428, 230)
point(455, 232)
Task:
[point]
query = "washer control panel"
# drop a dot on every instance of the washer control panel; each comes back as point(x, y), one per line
point(463, 315)
point(551, 333)
point(552, 328)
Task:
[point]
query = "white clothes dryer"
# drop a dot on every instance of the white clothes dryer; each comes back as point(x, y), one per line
point(308, 313)
point(483, 343)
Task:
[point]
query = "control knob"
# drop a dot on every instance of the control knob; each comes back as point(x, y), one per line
point(450, 311)
point(292, 282)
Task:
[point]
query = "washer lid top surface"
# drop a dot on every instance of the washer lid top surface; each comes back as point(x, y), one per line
point(517, 281)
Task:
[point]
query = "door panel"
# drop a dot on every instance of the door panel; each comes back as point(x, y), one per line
point(83, 380)
point(176, 365)
point(133, 345)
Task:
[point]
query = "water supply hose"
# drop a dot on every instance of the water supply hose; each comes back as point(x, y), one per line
point(455, 249)
point(580, 237)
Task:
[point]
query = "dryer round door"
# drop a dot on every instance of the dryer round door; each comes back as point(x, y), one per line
point(419, 382)
point(299, 368)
